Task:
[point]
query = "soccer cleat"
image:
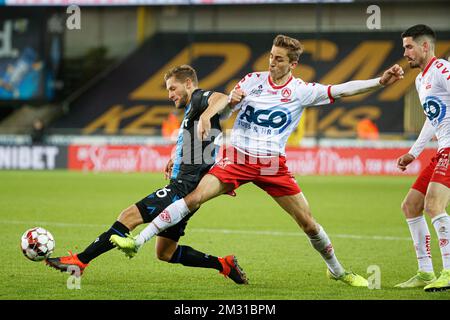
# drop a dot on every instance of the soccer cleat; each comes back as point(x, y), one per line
point(232, 270)
point(350, 278)
point(125, 244)
point(419, 280)
point(69, 263)
point(442, 283)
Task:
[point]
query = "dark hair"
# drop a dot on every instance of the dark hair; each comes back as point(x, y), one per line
point(181, 73)
point(293, 46)
point(419, 30)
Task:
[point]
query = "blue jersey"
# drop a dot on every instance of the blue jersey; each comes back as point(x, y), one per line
point(193, 157)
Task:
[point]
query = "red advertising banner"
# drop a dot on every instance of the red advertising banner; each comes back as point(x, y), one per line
point(303, 161)
point(352, 161)
point(119, 158)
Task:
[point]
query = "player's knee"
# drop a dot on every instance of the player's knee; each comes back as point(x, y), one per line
point(163, 255)
point(405, 207)
point(193, 200)
point(411, 209)
point(130, 217)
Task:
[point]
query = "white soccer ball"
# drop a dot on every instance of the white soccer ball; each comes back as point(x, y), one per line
point(37, 244)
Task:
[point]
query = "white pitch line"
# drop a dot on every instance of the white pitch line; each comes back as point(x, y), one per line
point(224, 231)
point(296, 234)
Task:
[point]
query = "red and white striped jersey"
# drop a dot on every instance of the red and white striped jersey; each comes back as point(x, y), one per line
point(433, 87)
point(269, 113)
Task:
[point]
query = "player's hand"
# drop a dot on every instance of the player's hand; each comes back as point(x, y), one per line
point(236, 96)
point(404, 161)
point(168, 169)
point(392, 75)
point(203, 127)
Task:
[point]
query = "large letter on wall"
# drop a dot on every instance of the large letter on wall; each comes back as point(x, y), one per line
point(235, 57)
point(362, 63)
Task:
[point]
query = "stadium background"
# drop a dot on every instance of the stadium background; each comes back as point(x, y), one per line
point(100, 94)
point(98, 88)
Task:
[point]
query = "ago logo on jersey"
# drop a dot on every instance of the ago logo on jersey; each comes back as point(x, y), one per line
point(434, 109)
point(274, 118)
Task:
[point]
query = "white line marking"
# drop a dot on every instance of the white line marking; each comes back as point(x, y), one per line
point(224, 231)
point(299, 233)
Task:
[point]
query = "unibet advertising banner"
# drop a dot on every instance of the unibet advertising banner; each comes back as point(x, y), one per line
point(32, 157)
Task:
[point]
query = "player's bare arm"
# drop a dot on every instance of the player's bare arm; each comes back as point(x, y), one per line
point(168, 169)
point(426, 134)
point(217, 102)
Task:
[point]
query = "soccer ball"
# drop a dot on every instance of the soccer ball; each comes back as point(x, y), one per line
point(37, 244)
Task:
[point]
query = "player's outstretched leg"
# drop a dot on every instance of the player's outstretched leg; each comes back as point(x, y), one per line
point(96, 248)
point(322, 243)
point(128, 220)
point(67, 263)
point(298, 208)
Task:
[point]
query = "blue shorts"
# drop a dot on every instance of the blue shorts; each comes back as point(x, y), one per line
point(152, 205)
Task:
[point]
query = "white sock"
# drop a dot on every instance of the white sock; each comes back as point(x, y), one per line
point(421, 238)
point(442, 225)
point(167, 218)
point(322, 243)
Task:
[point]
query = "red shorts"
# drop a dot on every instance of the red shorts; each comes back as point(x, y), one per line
point(270, 174)
point(437, 171)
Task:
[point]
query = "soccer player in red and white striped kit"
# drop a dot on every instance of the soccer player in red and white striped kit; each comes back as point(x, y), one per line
point(430, 192)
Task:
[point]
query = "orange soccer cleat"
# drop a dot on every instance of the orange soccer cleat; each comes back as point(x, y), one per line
point(69, 263)
point(232, 270)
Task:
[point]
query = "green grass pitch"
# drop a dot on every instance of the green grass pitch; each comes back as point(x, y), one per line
point(361, 214)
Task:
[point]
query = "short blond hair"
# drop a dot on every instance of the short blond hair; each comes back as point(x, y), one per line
point(294, 47)
point(181, 73)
